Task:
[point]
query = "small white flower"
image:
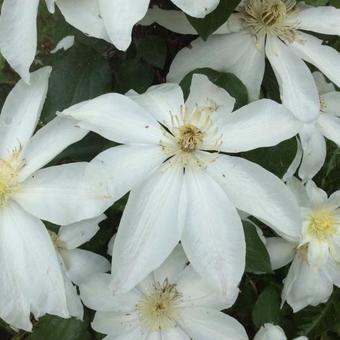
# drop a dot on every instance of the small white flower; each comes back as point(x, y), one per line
point(31, 280)
point(260, 29)
point(316, 258)
point(182, 186)
point(272, 332)
point(77, 265)
point(172, 303)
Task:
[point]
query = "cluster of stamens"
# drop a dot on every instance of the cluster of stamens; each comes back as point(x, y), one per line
point(159, 310)
point(270, 17)
point(55, 240)
point(322, 224)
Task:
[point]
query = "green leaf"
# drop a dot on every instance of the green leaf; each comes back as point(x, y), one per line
point(215, 19)
point(153, 50)
point(257, 258)
point(275, 159)
point(78, 74)
point(227, 81)
point(55, 328)
point(267, 307)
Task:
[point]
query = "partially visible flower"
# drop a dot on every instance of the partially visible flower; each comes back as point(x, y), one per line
point(77, 265)
point(316, 258)
point(172, 303)
point(31, 279)
point(272, 332)
point(272, 29)
point(182, 186)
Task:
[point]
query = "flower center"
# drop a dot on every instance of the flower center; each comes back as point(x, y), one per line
point(189, 137)
point(9, 170)
point(322, 224)
point(159, 310)
point(270, 17)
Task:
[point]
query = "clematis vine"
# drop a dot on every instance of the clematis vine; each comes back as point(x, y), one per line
point(260, 29)
point(31, 279)
point(316, 261)
point(173, 302)
point(183, 185)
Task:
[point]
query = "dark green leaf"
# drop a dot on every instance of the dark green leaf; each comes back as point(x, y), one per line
point(215, 19)
point(267, 307)
point(153, 50)
point(227, 81)
point(257, 258)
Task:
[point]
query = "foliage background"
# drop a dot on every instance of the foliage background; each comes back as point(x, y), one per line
point(93, 67)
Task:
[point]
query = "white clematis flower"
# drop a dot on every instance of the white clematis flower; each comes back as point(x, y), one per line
point(172, 303)
point(182, 186)
point(272, 29)
point(316, 258)
point(272, 332)
point(31, 280)
point(77, 265)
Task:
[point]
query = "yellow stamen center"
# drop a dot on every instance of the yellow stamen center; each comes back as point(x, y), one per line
point(189, 137)
point(55, 240)
point(322, 224)
point(159, 310)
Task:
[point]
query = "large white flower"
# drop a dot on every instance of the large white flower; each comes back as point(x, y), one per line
point(316, 258)
point(77, 265)
point(272, 332)
point(183, 187)
point(172, 303)
point(31, 280)
point(272, 29)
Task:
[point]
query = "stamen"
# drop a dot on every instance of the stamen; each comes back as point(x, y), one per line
point(322, 224)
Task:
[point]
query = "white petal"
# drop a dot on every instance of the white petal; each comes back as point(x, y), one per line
point(126, 166)
point(117, 118)
point(323, 19)
point(64, 44)
point(294, 165)
point(21, 112)
point(305, 285)
point(204, 323)
point(81, 264)
point(149, 229)
point(196, 8)
point(18, 34)
point(161, 101)
point(299, 191)
point(330, 127)
point(332, 102)
point(270, 332)
point(241, 56)
point(136, 333)
point(97, 294)
point(50, 5)
point(322, 84)
point(85, 16)
point(48, 142)
point(314, 151)
point(258, 192)
point(174, 333)
point(31, 275)
point(297, 87)
point(62, 194)
point(281, 252)
point(316, 195)
point(260, 124)
point(76, 234)
point(74, 305)
point(119, 18)
point(213, 237)
point(204, 93)
point(325, 58)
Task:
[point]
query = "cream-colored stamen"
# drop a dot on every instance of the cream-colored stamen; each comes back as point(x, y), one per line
point(159, 310)
point(189, 137)
point(55, 239)
point(322, 224)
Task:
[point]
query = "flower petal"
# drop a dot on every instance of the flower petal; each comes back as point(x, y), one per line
point(149, 229)
point(322, 84)
point(21, 112)
point(74, 305)
point(325, 58)
point(48, 142)
point(247, 128)
point(204, 323)
point(258, 192)
point(213, 237)
point(241, 56)
point(330, 127)
point(76, 234)
point(196, 8)
point(332, 102)
point(119, 18)
point(299, 191)
point(117, 118)
point(281, 252)
point(297, 87)
point(269, 331)
point(85, 16)
point(62, 194)
point(18, 34)
point(80, 264)
point(323, 19)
